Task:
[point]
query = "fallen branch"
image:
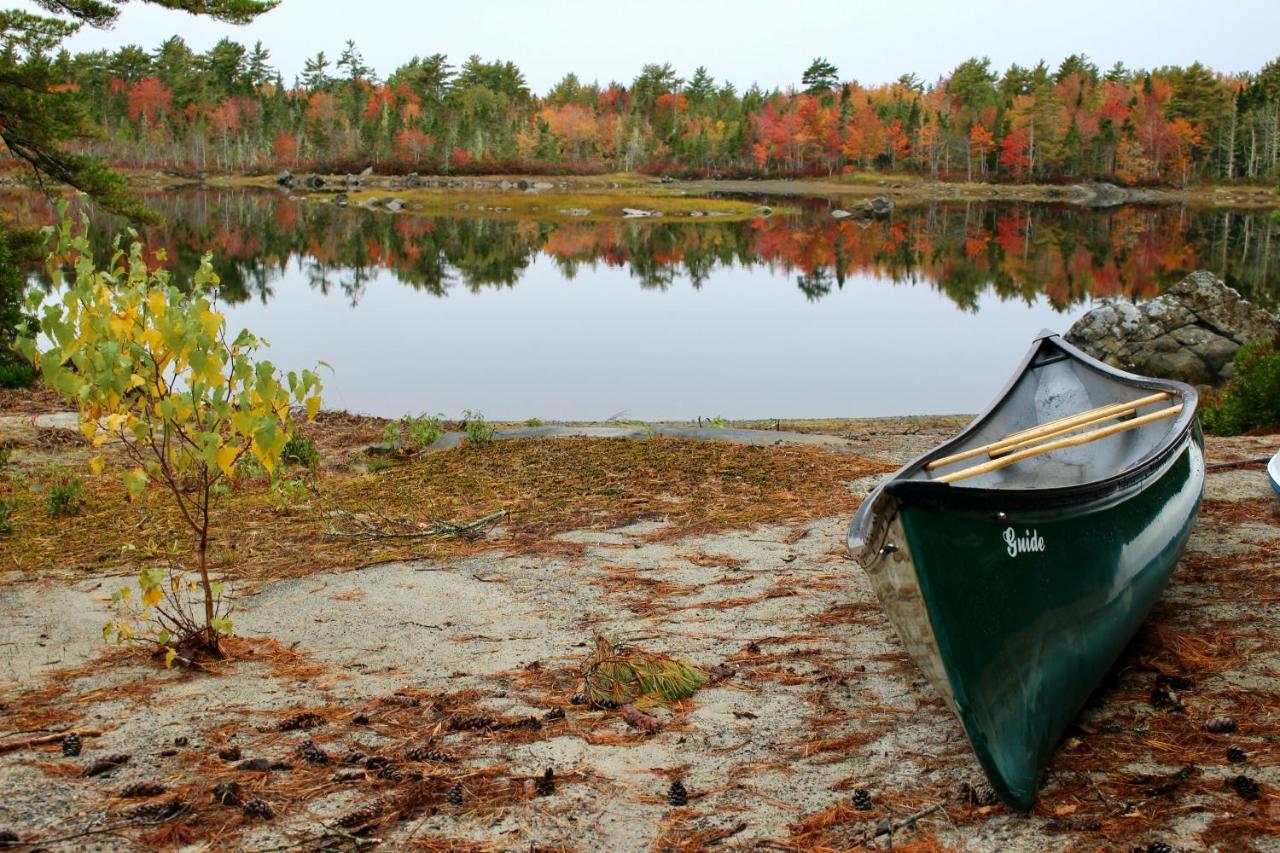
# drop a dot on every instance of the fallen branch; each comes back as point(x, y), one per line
point(44, 740)
point(885, 828)
point(370, 530)
point(1241, 463)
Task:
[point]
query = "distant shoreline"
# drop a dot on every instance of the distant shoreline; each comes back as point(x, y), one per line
point(612, 191)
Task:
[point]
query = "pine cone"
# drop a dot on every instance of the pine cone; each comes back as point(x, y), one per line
point(300, 722)
point(1159, 847)
point(1245, 787)
point(231, 753)
point(547, 784)
point(141, 789)
point(981, 794)
point(862, 800)
point(181, 741)
point(454, 795)
point(402, 700)
point(1221, 725)
point(531, 723)
point(354, 756)
point(8, 836)
point(471, 723)
point(71, 744)
point(677, 795)
point(156, 811)
point(228, 793)
point(260, 809)
point(313, 754)
point(360, 720)
point(106, 765)
point(257, 765)
point(556, 713)
point(359, 818)
point(1236, 755)
point(424, 753)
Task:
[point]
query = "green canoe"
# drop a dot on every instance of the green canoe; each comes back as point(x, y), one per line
point(1015, 589)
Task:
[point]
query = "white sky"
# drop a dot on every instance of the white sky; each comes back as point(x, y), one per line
point(765, 41)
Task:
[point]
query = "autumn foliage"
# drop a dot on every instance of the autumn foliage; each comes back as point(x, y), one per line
point(229, 110)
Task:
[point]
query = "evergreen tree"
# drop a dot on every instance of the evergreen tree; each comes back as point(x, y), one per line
point(820, 77)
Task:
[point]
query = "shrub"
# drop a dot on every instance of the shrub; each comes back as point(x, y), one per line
point(65, 491)
point(479, 431)
point(1251, 399)
point(418, 433)
point(16, 374)
point(301, 450)
point(152, 368)
point(534, 422)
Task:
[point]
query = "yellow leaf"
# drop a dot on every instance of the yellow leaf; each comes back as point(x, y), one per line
point(157, 301)
point(169, 654)
point(89, 426)
point(114, 422)
point(313, 406)
point(152, 597)
point(1069, 808)
point(226, 458)
point(96, 464)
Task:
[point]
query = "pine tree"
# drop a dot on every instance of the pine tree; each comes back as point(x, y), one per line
point(315, 75)
point(820, 77)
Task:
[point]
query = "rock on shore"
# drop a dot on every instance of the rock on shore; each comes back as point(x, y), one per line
point(1191, 332)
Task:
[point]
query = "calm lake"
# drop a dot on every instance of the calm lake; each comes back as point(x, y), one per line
point(783, 316)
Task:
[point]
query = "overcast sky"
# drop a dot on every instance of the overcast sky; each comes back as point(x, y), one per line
point(744, 41)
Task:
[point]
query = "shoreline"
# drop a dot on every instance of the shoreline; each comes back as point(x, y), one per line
point(726, 556)
point(548, 194)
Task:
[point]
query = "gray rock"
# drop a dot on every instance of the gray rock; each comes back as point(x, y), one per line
point(543, 185)
point(412, 180)
point(636, 213)
point(840, 214)
point(575, 211)
point(1190, 332)
point(340, 199)
point(351, 181)
point(313, 182)
point(285, 178)
point(395, 205)
point(881, 205)
point(367, 172)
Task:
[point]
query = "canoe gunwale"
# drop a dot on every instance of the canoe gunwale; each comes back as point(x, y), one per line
point(868, 528)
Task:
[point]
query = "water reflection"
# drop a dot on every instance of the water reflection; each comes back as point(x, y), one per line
point(1013, 251)
point(784, 316)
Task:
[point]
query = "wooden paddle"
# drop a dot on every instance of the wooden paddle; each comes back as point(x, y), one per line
point(1051, 428)
point(1073, 441)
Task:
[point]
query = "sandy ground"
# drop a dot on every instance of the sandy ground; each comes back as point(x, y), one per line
point(822, 700)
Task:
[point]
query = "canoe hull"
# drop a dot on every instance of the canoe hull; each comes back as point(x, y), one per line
point(1016, 594)
point(1273, 474)
point(1018, 639)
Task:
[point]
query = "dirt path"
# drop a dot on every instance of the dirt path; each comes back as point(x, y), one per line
point(459, 655)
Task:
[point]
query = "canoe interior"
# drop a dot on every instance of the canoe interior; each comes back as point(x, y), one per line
point(1273, 473)
point(1056, 385)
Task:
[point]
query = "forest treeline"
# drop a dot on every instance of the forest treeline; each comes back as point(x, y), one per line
point(230, 110)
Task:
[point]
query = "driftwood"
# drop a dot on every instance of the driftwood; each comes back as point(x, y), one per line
point(1074, 441)
point(45, 740)
point(388, 530)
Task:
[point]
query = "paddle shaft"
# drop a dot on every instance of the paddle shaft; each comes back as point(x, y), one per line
point(1056, 427)
point(1073, 441)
